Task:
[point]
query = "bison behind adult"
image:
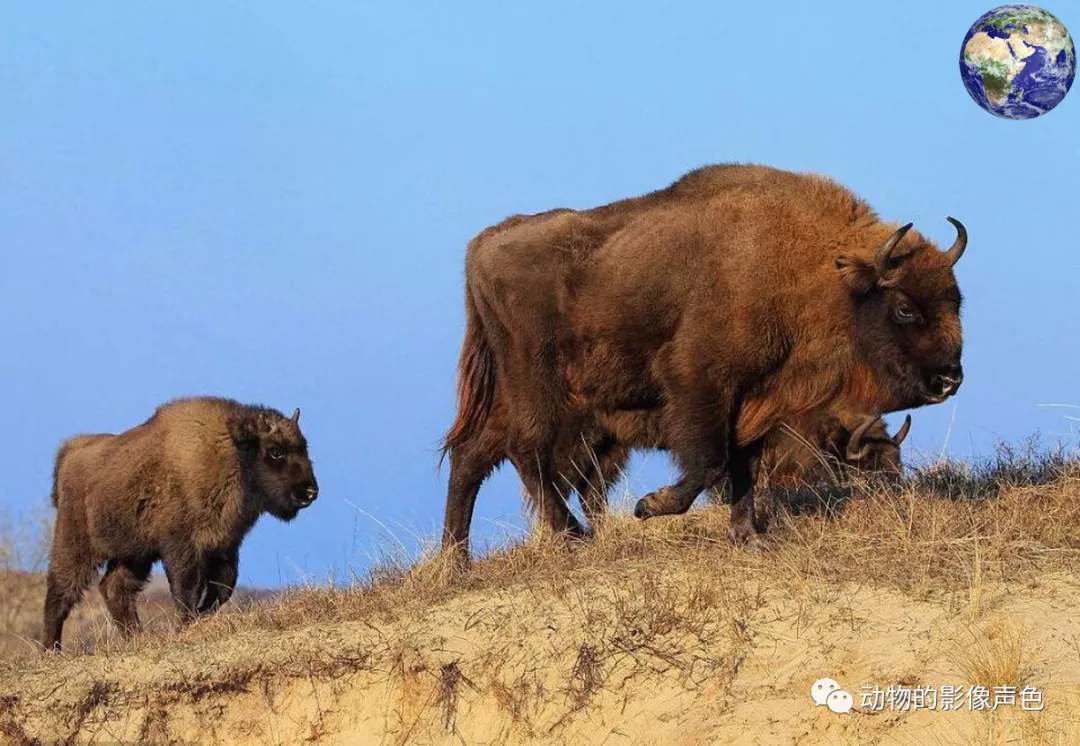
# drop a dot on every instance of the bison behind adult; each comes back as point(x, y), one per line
point(184, 487)
point(738, 297)
point(808, 456)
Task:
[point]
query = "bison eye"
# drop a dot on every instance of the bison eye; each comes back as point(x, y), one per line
point(275, 453)
point(905, 313)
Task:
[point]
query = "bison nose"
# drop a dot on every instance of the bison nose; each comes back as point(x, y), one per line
point(312, 493)
point(946, 381)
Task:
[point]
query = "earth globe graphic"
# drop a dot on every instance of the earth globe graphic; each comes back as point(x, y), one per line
point(1018, 61)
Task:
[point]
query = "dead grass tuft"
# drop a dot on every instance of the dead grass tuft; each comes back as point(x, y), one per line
point(994, 655)
point(586, 677)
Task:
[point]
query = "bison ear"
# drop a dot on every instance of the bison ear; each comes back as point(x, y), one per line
point(244, 432)
point(860, 276)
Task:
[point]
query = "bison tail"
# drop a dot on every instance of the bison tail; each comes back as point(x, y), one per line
point(63, 450)
point(476, 381)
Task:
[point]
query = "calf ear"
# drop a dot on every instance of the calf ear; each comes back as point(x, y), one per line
point(858, 275)
point(244, 431)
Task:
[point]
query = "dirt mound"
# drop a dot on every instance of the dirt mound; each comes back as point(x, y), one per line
point(656, 632)
point(22, 598)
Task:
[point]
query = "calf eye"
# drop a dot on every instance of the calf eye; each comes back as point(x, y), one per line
point(905, 313)
point(275, 453)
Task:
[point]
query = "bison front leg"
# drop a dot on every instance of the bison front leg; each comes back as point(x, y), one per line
point(187, 581)
point(744, 525)
point(698, 426)
point(120, 588)
point(221, 573)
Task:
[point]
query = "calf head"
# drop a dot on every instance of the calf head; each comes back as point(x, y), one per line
point(873, 451)
point(276, 463)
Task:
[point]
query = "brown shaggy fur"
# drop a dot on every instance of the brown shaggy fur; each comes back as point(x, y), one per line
point(184, 487)
point(809, 455)
point(737, 298)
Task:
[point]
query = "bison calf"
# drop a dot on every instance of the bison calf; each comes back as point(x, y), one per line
point(184, 487)
point(814, 451)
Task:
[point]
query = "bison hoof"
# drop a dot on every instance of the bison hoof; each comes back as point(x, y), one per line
point(746, 537)
point(641, 510)
point(579, 535)
point(740, 533)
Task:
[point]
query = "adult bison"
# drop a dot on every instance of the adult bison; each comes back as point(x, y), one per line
point(736, 298)
point(184, 487)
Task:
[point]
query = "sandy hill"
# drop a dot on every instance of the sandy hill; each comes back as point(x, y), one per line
point(22, 597)
point(654, 633)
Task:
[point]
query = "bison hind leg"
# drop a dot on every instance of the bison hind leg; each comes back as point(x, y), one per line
point(471, 463)
point(65, 584)
point(545, 495)
point(120, 587)
point(597, 470)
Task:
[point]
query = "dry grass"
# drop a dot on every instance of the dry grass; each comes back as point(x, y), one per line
point(24, 551)
point(950, 577)
point(902, 539)
point(996, 655)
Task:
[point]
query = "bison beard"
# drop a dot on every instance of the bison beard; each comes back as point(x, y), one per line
point(736, 298)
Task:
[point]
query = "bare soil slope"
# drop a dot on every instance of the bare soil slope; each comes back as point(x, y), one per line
point(655, 633)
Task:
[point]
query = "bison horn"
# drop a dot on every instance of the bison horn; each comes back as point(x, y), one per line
point(854, 452)
point(296, 415)
point(881, 258)
point(957, 249)
point(903, 431)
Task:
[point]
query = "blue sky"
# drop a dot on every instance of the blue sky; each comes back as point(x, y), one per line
point(270, 201)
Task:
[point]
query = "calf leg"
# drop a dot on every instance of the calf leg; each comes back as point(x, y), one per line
point(120, 588)
point(744, 523)
point(187, 580)
point(221, 573)
point(70, 572)
point(64, 587)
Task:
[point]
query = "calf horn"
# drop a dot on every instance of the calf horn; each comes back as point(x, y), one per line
point(854, 453)
point(296, 415)
point(881, 258)
point(957, 249)
point(903, 431)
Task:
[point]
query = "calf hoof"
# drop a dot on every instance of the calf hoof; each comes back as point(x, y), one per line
point(746, 536)
point(641, 510)
point(756, 544)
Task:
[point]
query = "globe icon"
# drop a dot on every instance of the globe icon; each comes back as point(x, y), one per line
point(1018, 61)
